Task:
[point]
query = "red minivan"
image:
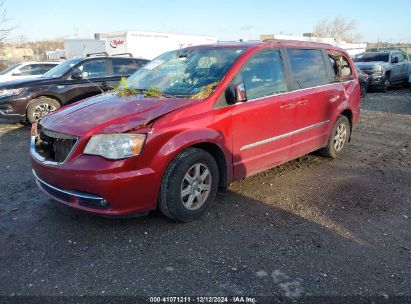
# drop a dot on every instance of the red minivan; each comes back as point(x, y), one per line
point(194, 120)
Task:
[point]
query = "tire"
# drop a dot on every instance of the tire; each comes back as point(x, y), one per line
point(386, 84)
point(183, 194)
point(335, 145)
point(364, 88)
point(40, 107)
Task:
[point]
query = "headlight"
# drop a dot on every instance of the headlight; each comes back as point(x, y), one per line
point(9, 92)
point(115, 146)
point(378, 70)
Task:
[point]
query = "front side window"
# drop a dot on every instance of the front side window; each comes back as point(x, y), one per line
point(93, 69)
point(263, 75)
point(188, 73)
point(307, 67)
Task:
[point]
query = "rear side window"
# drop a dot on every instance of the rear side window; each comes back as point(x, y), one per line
point(307, 67)
point(263, 75)
point(340, 66)
point(124, 67)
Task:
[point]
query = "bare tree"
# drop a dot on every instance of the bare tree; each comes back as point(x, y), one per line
point(5, 27)
point(339, 28)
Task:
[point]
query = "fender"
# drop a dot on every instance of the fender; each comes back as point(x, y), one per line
point(39, 93)
point(185, 139)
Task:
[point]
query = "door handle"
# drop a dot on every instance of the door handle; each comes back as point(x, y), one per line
point(286, 105)
point(334, 99)
point(302, 101)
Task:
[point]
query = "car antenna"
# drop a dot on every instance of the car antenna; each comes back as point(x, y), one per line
point(95, 85)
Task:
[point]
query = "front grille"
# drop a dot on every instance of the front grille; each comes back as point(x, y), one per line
point(54, 146)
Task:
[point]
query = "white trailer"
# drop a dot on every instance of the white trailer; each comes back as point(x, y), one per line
point(351, 48)
point(148, 45)
point(82, 47)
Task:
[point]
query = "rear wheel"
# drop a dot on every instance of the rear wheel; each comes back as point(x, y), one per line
point(189, 185)
point(338, 139)
point(40, 107)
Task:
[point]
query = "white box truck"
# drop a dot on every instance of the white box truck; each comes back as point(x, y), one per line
point(148, 45)
point(82, 47)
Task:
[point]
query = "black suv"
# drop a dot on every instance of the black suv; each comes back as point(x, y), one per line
point(71, 81)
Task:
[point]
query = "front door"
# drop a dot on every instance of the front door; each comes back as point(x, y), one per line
point(96, 78)
point(261, 125)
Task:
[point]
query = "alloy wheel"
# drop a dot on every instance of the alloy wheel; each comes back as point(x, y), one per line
point(196, 186)
point(42, 110)
point(340, 137)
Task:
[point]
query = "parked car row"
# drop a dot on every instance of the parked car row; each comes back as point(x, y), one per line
point(384, 68)
point(193, 120)
point(71, 81)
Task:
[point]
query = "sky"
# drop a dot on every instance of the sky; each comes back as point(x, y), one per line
point(225, 19)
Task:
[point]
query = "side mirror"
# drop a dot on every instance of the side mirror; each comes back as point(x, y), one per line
point(236, 93)
point(394, 60)
point(76, 75)
point(16, 73)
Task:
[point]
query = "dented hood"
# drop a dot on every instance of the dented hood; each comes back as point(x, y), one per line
point(109, 113)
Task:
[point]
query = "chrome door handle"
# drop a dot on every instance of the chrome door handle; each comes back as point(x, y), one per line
point(286, 105)
point(334, 99)
point(302, 101)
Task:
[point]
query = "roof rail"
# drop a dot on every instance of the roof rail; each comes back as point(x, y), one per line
point(291, 40)
point(97, 54)
point(122, 54)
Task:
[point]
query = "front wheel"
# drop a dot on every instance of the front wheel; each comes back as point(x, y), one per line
point(386, 85)
point(40, 107)
point(189, 185)
point(338, 139)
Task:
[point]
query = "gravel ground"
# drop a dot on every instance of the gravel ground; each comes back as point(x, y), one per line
point(312, 227)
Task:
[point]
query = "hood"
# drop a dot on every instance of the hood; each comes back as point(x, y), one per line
point(26, 82)
point(370, 65)
point(109, 113)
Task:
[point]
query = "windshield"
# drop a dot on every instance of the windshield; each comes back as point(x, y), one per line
point(367, 57)
point(4, 72)
point(186, 72)
point(62, 68)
